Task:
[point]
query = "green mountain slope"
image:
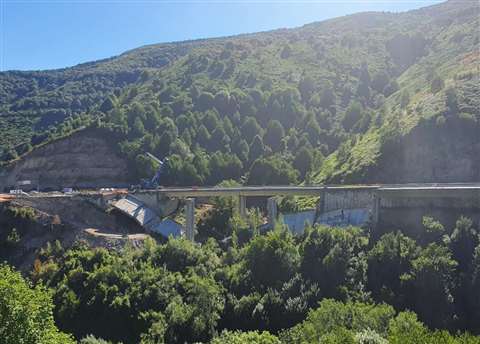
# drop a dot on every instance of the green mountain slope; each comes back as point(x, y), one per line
point(362, 98)
point(32, 102)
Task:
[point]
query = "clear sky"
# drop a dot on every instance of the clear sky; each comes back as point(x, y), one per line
point(38, 34)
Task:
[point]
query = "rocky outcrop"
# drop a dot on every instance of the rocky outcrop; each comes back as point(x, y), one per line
point(82, 160)
point(447, 154)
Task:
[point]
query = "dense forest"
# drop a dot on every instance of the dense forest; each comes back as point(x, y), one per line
point(328, 285)
point(324, 102)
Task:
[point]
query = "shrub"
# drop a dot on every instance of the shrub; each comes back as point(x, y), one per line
point(93, 340)
point(436, 84)
point(369, 337)
point(252, 337)
point(26, 313)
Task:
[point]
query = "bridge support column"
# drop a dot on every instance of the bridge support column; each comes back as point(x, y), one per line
point(376, 209)
point(242, 206)
point(323, 200)
point(190, 219)
point(272, 211)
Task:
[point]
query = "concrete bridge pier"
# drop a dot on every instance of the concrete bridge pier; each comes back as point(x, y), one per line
point(242, 206)
point(376, 209)
point(323, 200)
point(272, 211)
point(190, 219)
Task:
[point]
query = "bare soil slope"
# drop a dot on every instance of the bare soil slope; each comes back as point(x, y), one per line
point(82, 160)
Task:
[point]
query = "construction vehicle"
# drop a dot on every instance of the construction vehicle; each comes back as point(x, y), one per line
point(154, 182)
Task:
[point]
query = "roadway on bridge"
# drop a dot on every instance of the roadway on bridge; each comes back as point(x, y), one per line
point(268, 190)
point(305, 190)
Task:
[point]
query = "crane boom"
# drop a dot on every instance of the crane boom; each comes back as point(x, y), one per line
point(153, 157)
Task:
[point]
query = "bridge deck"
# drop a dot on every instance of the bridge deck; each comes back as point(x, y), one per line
point(255, 190)
point(388, 190)
point(430, 189)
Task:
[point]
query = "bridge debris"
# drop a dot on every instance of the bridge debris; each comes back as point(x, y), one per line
point(146, 217)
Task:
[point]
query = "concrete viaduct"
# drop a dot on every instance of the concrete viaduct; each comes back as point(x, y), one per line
point(378, 200)
point(400, 206)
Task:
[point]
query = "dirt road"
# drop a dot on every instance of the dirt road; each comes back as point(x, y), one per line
point(95, 232)
point(5, 197)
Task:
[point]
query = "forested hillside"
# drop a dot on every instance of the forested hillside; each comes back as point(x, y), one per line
point(328, 102)
point(329, 285)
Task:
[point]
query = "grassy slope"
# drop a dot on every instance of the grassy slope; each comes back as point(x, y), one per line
point(455, 57)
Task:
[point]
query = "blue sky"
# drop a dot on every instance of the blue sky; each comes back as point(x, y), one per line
point(39, 34)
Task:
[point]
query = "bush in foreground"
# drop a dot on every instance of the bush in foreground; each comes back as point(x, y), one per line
point(253, 337)
point(26, 313)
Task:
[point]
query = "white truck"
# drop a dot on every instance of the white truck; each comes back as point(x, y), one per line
point(18, 192)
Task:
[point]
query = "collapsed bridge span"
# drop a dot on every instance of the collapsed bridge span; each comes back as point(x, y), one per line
point(399, 205)
point(341, 205)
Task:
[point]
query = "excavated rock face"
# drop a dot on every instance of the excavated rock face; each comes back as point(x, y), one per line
point(449, 154)
point(82, 160)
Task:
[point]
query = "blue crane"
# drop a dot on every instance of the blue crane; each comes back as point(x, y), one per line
point(154, 182)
